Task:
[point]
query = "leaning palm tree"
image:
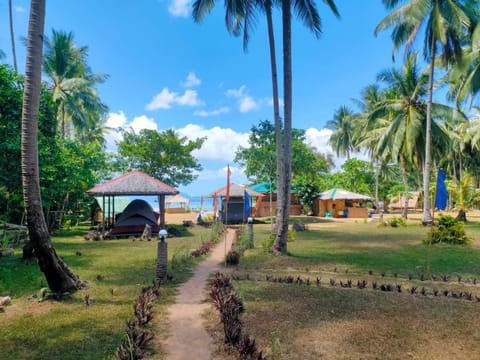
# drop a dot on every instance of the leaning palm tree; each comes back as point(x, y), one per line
point(444, 21)
point(59, 277)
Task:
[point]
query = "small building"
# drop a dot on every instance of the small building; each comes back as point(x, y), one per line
point(238, 206)
point(398, 202)
point(341, 203)
point(266, 205)
point(176, 204)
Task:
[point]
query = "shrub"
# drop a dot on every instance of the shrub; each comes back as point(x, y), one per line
point(448, 230)
point(268, 243)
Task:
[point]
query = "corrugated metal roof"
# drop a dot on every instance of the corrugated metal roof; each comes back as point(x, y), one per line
point(133, 183)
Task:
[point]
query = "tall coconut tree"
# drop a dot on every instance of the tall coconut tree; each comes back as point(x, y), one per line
point(73, 83)
point(236, 11)
point(444, 22)
point(343, 127)
point(307, 11)
point(12, 35)
point(239, 17)
point(59, 277)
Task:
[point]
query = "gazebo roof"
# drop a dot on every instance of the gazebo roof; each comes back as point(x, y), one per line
point(340, 194)
point(235, 191)
point(177, 199)
point(133, 183)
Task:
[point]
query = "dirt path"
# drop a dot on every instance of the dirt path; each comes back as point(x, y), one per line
point(188, 338)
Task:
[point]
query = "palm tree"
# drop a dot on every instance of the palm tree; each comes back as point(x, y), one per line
point(464, 77)
point(239, 16)
point(73, 83)
point(342, 125)
point(243, 10)
point(12, 36)
point(402, 136)
point(445, 22)
point(58, 275)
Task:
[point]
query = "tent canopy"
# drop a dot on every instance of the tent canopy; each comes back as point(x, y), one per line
point(340, 194)
point(264, 187)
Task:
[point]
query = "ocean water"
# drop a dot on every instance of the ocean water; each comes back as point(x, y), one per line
point(197, 203)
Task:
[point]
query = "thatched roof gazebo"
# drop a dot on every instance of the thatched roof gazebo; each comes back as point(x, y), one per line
point(134, 183)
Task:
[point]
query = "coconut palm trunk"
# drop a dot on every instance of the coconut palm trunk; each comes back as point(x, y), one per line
point(280, 244)
point(12, 36)
point(59, 277)
point(427, 216)
point(276, 107)
point(405, 184)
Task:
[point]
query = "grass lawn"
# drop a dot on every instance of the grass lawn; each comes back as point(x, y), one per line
point(291, 321)
point(69, 329)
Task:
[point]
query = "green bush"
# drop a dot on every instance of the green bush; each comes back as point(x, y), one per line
point(448, 230)
point(268, 243)
point(396, 222)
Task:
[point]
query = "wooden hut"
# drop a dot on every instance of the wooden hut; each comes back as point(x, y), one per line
point(176, 204)
point(266, 205)
point(341, 203)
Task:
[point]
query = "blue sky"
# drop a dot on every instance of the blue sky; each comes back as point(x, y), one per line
point(168, 72)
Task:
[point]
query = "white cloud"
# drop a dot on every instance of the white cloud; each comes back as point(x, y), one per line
point(162, 100)
point(220, 143)
point(319, 139)
point(180, 8)
point(118, 121)
point(166, 98)
point(204, 113)
point(192, 80)
point(19, 9)
point(237, 93)
point(189, 98)
point(114, 121)
point(246, 103)
point(143, 122)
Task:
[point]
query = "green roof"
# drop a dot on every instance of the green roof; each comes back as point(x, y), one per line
point(264, 187)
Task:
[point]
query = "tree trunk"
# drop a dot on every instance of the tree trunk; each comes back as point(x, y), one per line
point(276, 113)
point(427, 216)
point(280, 244)
point(405, 184)
point(12, 36)
point(59, 277)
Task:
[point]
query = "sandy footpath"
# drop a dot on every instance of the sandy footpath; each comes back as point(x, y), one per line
point(188, 338)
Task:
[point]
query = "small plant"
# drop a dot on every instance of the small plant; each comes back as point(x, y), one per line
point(4, 242)
point(448, 230)
point(268, 243)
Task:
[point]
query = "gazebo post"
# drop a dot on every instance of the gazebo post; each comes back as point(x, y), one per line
point(161, 209)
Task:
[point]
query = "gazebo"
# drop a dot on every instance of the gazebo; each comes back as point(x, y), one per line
point(176, 199)
point(135, 183)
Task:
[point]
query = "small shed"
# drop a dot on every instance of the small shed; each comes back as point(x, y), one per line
point(233, 210)
point(341, 203)
point(176, 204)
point(131, 184)
point(267, 204)
point(398, 202)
